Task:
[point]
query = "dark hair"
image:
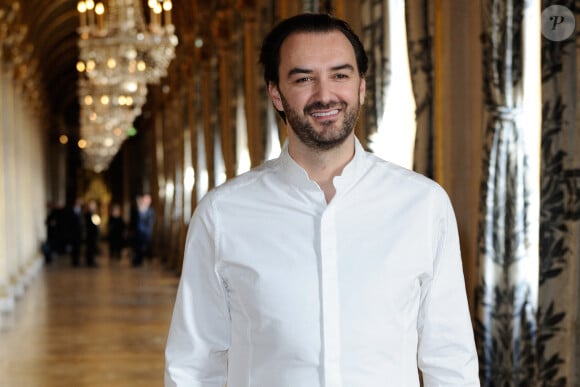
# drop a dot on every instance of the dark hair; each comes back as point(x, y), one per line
point(307, 22)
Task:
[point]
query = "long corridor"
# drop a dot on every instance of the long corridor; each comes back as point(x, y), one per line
point(89, 327)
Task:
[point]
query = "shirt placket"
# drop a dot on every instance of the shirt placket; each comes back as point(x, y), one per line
point(330, 299)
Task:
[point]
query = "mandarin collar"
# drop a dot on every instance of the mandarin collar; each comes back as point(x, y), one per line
point(297, 176)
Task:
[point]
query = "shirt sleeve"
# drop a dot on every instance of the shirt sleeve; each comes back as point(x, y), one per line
point(199, 335)
point(446, 352)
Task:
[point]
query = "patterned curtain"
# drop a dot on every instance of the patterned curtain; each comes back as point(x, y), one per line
point(504, 297)
point(558, 343)
point(419, 22)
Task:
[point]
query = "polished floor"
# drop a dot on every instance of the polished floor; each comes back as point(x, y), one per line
point(89, 327)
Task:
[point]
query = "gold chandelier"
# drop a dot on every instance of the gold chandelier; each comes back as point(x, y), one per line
point(119, 54)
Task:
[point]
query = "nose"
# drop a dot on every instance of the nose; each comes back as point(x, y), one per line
point(323, 91)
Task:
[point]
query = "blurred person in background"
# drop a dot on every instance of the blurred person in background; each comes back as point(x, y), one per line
point(116, 228)
point(72, 230)
point(142, 223)
point(92, 221)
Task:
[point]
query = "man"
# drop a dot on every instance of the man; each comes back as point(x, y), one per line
point(92, 222)
point(142, 224)
point(73, 229)
point(116, 232)
point(327, 266)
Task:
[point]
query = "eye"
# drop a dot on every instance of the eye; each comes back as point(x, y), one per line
point(341, 76)
point(303, 79)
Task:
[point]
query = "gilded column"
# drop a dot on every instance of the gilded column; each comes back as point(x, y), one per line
point(254, 127)
point(206, 108)
point(192, 118)
point(222, 30)
point(192, 103)
point(157, 185)
point(289, 8)
point(179, 124)
point(5, 299)
point(172, 165)
point(12, 264)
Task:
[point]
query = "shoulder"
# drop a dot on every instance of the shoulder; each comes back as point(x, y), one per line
point(243, 183)
point(239, 188)
point(403, 176)
point(394, 184)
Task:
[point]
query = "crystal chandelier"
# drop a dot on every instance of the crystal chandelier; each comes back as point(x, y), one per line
point(106, 116)
point(119, 54)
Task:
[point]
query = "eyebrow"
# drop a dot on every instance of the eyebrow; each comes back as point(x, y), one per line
point(298, 70)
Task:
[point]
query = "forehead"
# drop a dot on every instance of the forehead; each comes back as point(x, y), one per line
point(306, 49)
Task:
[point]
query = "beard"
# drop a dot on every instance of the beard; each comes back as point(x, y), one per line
point(331, 135)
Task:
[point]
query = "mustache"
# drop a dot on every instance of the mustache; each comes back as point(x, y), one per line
point(318, 105)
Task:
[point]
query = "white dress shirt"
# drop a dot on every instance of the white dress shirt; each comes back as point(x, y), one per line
point(281, 289)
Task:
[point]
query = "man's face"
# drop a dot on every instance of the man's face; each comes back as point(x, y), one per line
point(320, 89)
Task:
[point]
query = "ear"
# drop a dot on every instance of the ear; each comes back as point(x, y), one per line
point(362, 91)
point(275, 96)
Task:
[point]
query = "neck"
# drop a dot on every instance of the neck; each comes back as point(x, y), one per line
point(322, 166)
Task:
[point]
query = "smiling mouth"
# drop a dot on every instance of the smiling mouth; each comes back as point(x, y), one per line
point(325, 114)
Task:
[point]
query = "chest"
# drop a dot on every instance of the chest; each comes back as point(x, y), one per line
point(282, 259)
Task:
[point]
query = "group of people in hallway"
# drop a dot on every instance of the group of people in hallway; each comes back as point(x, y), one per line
point(76, 230)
